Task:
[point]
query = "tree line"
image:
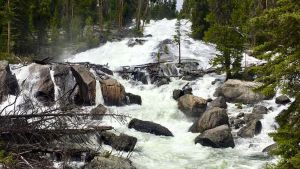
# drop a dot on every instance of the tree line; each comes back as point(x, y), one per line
point(269, 30)
point(37, 27)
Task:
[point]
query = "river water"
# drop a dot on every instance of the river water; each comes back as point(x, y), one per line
point(178, 152)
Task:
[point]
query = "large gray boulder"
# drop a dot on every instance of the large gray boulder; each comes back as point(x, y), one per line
point(238, 91)
point(219, 137)
point(258, 109)
point(219, 102)
point(65, 82)
point(122, 142)
point(40, 84)
point(283, 99)
point(86, 85)
point(250, 130)
point(149, 127)
point(210, 119)
point(113, 92)
point(192, 106)
point(111, 162)
point(8, 82)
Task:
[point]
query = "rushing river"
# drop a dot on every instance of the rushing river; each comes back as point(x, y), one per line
point(178, 152)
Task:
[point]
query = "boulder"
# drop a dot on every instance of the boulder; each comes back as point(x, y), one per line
point(211, 118)
point(8, 82)
point(86, 85)
point(192, 106)
point(133, 99)
point(219, 102)
point(65, 82)
point(283, 99)
point(238, 123)
point(110, 162)
point(219, 137)
point(98, 112)
point(252, 117)
point(40, 84)
point(258, 109)
point(149, 127)
point(187, 89)
point(270, 148)
point(122, 142)
point(140, 76)
point(177, 94)
point(113, 92)
point(160, 80)
point(250, 130)
point(238, 91)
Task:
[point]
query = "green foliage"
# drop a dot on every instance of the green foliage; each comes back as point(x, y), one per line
point(160, 9)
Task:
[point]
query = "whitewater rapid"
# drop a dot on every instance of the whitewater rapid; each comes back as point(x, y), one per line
point(178, 152)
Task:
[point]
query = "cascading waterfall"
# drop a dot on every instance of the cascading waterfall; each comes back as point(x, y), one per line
point(158, 106)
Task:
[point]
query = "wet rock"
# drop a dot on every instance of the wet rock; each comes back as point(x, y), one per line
point(149, 127)
point(160, 80)
point(270, 148)
point(283, 99)
point(133, 99)
point(211, 118)
point(238, 91)
point(240, 115)
point(110, 162)
point(65, 82)
point(209, 100)
point(250, 130)
point(133, 42)
point(238, 123)
point(113, 92)
point(148, 36)
point(43, 88)
point(219, 137)
point(177, 94)
point(122, 142)
point(192, 106)
point(258, 109)
point(252, 117)
point(140, 76)
point(86, 85)
point(98, 112)
point(187, 89)
point(219, 102)
point(8, 82)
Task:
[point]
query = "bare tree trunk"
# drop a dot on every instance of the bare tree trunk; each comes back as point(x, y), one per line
point(138, 15)
point(100, 12)
point(120, 17)
point(145, 14)
point(8, 28)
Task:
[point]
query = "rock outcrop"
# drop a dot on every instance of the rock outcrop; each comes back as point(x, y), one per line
point(238, 91)
point(210, 119)
point(219, 137)
point(218, 102)
point(113, 92)
point(8, 82)
point(149, 127)
point(86, 85)
point(192, 106)
point(250, 130)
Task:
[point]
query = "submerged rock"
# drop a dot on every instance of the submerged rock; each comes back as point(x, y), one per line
point(283, 99)
point(86, 85)
point(250, 130)
point(122, 142)
point(149, 127)
point(270, 148)
point(110, 162)
point(219, 137)
point(238, 91)
point(8, 82)
point(211, 119)
point(192, 106)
